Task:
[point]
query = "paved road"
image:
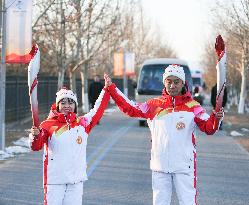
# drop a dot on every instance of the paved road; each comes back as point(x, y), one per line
point(118, 168)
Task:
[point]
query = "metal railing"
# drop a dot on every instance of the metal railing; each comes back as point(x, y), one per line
point(17, 97)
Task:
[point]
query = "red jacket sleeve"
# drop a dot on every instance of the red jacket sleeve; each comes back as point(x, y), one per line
point(37, 142)
point(97, 112)
point(133, 109)
point(208, 126)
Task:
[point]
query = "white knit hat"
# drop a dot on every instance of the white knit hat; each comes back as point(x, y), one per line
point(174, 70)
point(65, 93)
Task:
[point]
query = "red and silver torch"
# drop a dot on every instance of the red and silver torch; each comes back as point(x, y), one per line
point(221, 71)
point(33, 69)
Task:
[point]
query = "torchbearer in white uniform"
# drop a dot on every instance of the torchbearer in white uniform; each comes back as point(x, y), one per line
point(63, 135)
point(172, 119)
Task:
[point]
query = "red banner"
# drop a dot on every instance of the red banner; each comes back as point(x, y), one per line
point(18, 31)
point(121, 60)
point(118, 64)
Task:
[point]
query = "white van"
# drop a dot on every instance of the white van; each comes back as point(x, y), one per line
point(197, 79)
point(150, 79)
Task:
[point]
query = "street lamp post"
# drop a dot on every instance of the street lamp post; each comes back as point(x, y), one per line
point(123, 45)
point(2, 75)
point(125, 84)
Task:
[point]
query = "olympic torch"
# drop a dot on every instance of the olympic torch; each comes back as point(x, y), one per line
point(221, 71)
point(33, 69)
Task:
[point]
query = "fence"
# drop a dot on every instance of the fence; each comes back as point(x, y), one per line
point(17, 95)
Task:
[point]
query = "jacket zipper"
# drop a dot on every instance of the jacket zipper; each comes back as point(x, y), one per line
point(173, 105)
point(68, 122)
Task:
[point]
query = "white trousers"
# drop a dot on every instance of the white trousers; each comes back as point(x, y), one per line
point(184, 185)
point(64, 194)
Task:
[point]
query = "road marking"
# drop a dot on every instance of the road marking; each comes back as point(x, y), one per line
point(98, 155)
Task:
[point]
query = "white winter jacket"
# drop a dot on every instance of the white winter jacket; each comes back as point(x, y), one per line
point(172, 122)
point(64, 139)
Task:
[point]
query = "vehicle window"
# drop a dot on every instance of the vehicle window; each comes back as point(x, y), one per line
point(151, 77)
point(196, 81)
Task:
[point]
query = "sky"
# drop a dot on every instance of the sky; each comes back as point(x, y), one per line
point(185, 25)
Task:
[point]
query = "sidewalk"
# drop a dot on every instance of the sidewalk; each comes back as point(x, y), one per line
point(15, 131)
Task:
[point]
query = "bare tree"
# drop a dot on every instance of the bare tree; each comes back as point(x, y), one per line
point(209, 62)
point(73, 36)
point(100, 20)
point(85, 35)
point(236, 23)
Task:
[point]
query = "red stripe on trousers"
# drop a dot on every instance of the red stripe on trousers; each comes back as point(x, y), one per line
point(195, 177)
point(45, 173)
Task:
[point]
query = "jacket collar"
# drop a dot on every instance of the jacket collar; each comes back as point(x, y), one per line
point(176, 100)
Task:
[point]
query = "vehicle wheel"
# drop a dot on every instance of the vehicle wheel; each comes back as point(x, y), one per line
point(141, 123)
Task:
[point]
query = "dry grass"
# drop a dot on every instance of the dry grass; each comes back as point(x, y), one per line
point(244, 142)
point(234, 121)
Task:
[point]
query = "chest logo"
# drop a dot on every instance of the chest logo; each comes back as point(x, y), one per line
point(79, 140)
point(180, 125)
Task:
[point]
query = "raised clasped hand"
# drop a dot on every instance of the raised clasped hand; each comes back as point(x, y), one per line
point(108, 80)
point(34, 131)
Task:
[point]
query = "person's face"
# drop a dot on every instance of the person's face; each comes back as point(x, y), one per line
point(173, 85)
point(66, 105)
